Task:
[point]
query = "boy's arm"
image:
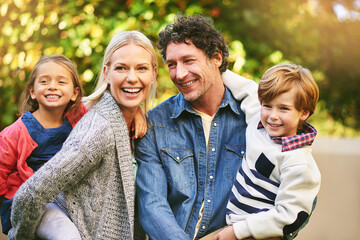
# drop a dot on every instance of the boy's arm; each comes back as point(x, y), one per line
point(293, 205)
point(244, 90)
point(139, 126)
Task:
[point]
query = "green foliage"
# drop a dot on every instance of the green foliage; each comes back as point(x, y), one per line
point(259, 33)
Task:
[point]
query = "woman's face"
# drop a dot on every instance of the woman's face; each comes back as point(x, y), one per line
point(130, 74)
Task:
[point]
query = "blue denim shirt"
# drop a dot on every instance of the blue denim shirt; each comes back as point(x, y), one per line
point(176, 173)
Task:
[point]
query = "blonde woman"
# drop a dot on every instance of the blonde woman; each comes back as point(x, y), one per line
point(94, 168)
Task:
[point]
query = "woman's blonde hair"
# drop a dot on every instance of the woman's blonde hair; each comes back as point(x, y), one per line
point(26, 103)
point(119, 40)
point(285, 76)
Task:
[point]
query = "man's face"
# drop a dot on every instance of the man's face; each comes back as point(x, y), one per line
point(192, 72)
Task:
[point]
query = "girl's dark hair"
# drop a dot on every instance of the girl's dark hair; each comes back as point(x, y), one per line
point(198, 30)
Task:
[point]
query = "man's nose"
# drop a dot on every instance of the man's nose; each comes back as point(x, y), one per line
point(181, 71)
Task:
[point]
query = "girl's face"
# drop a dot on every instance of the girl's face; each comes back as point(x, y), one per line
point(130, 74)
point(53, 87)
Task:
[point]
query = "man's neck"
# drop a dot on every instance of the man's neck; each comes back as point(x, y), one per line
point(211, 100)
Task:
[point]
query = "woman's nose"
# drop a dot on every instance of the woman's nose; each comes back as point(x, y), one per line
point(131, 76)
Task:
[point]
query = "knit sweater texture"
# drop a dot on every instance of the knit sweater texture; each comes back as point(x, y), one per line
point(94, 171)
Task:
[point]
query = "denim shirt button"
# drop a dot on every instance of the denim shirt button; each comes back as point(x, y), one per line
point(177, 158)
point(203, 227)
point(242, 152)
point(201, 183)
point(201, 155)
point(209, 201)
point(211, 177)
point(215, 124)
point(213, 149)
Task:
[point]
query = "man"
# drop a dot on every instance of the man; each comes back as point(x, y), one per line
point(195, 140)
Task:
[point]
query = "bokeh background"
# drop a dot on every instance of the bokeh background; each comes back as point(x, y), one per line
point(322, 35)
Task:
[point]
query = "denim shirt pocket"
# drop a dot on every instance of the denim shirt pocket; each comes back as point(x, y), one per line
point(233, 158)
point(179, 167)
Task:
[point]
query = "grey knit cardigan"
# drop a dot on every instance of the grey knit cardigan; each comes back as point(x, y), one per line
point(94, 170)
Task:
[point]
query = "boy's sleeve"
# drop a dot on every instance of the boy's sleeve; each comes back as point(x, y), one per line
point(244, 90)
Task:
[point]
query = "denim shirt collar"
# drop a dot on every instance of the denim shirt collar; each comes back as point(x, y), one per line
point(183, 105)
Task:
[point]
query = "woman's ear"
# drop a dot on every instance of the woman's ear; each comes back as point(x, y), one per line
point(105, 72)
point(155, 75)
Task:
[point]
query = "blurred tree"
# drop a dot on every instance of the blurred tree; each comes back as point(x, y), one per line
point(260, 34)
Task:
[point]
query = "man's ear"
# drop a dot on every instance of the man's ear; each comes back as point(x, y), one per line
point(218, 58)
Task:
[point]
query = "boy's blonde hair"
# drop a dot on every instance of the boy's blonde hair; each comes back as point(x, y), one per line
point(26, 103)
point(119, 40)
point(285, 76)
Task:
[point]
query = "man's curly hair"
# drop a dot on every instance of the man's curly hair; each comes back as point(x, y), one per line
point(196, 29)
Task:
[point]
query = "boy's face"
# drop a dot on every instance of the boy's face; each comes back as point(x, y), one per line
point(280, 117)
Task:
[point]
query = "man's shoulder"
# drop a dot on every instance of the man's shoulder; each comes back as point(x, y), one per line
point(165, 109)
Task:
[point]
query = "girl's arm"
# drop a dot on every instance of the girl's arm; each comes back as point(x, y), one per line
point(139, 126)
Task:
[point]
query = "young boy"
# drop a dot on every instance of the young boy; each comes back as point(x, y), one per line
point(278, 181)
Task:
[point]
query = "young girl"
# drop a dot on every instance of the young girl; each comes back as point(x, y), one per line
point(50, 106)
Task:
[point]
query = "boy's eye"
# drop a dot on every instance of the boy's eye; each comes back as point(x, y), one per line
point(284, 108)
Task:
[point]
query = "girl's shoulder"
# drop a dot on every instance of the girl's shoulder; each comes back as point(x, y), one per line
point(17, 127)
point(74, 117)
